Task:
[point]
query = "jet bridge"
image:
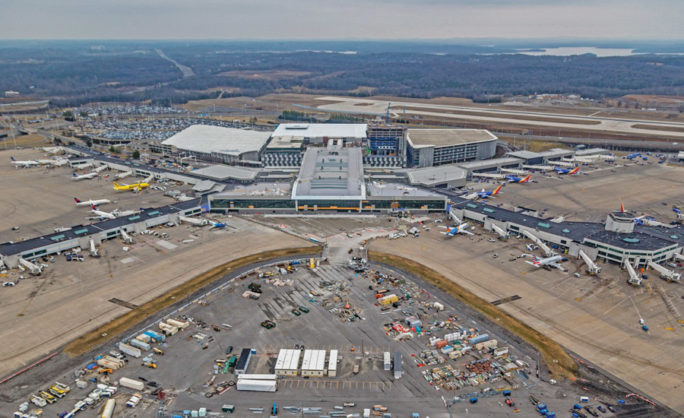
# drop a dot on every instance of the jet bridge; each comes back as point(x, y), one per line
point(591, 266)
point(666, 274)
point(545, 248)
point(502, 234)
point(634, 278)
point(34, 269)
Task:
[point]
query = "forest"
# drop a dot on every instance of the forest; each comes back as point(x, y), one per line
point(79, 71)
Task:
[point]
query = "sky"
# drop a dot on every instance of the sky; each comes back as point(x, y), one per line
point(341, 19)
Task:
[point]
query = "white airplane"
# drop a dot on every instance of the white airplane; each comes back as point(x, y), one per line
point(102, 214)
point(457, 229)
point(91, 202)
point(548, 261)
point(25, 164)
point(84, 176)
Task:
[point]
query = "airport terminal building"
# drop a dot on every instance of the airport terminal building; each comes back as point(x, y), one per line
point(330, 179)
point(433, 147)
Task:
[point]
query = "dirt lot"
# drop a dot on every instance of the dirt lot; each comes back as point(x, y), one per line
point(597, 318)
point(650, 188)
point(72, 298)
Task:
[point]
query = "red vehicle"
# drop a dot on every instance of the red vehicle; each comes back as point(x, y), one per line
point(510, 402)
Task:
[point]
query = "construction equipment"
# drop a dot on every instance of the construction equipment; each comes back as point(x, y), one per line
point(502, 234)
point(634, 278)
point(592, 268)
point(545, 248)
point(150, 364)
point(666, 274)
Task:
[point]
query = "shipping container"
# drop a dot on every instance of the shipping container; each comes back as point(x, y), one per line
point(141, 345)
point(387, 361)
point(155, 336)
point(108, 409)
point(144, 338)
point(131, 383)
point(129, 350)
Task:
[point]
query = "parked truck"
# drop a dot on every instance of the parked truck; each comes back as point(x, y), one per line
point(140, 344)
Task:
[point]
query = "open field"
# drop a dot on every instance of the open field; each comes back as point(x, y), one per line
point(30, 140)
point(266, 74)
point(594, 317)
point(649, 188)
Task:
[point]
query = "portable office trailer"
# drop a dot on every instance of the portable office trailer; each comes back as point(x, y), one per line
point(332, 363)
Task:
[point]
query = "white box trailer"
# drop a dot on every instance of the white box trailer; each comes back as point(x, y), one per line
point(332, 363)
point(257, 376)
point(177, 323)
point(387, 361)
point(257, 385)
point(131, 383)
point(130, 350)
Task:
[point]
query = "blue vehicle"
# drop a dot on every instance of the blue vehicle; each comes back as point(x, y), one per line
point(473, 399)
point(274, 410)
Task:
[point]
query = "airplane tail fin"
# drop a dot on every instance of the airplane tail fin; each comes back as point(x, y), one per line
point(574, 170)
point(93, 207)
point(676, 210)
point(526, 179)
point(12, 158)
point(77, 200)
point(116, 185)
point(622, 207)
point(497, 190)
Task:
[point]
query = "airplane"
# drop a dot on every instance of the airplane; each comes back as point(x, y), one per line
point(91, 202)
point(457, 229)
point(134, 187)
point(102, 214)
point(484, 194)
point(513, 179)
point(560, 170)
point(548, 261)
point(25, 164)
point(84, 176)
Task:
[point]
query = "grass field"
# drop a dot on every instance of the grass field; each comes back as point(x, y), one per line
point(130, 319)
point(559, 363)
point(24, 141)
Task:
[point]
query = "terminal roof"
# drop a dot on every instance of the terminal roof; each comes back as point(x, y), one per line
point(321, 130)
point(330, 174)
point(208, 139)
point(446, 137)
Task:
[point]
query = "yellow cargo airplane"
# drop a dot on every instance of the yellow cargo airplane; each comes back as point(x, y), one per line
point(134, 187)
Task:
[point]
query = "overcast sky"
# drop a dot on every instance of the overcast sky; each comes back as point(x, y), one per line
point(340, 19)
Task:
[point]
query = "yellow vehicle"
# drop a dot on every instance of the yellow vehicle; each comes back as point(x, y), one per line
point(53, 390)
point(49, 398)
point(151, 365)
point(105, 371)
point(158, 351)
point(136, 187)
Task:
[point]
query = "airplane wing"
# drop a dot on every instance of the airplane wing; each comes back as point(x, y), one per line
point(557, 266)
point(465, 231)
point(470, 196)
point(533, 263)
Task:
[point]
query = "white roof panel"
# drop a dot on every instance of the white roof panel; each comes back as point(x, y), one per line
point(321, 130)
point(332, 361)
point(313, 360)
point(208, 139)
